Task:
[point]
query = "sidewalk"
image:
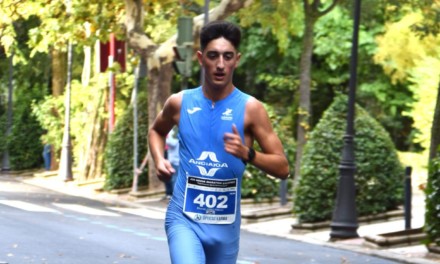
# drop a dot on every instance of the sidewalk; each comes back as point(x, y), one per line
point(281, 227)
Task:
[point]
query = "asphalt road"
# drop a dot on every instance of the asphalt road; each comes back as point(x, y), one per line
point(41, 226)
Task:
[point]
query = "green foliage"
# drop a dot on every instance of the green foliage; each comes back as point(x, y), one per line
point(25, 152)
point(333, 38)
point(282, 18)
point(256, 184)
point(432, 219)
point(379, 174)
point(385, 100)
point(431, 17)
point(118, 157)
point(412, 61)
point(86, 111)
point(29, 79)
point(24, 144)
point(50, 120)
point(82, 23)
point(267, 68)
point(267, 73)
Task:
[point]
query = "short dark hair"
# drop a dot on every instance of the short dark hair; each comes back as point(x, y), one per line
point(217, 29)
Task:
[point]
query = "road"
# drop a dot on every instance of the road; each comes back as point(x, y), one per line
point(42, 226)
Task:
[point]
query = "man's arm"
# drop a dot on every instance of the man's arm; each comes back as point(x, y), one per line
point(164, 122)
point(271, 159)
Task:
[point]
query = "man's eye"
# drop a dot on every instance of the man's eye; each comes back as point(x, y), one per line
point(228, 56)
point(212, 55)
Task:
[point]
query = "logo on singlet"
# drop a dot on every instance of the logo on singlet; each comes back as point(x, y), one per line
point(227, 115)
point(193, 110)
point(208, 164)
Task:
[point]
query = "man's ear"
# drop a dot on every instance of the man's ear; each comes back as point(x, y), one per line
point(238, 59)
point(199, 57)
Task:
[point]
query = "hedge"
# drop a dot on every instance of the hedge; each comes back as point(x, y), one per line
point(379, 174)
point(118, 156)
point(432, 214)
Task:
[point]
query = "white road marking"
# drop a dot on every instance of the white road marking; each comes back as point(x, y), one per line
point(28, 206)
point(144, 212)
point(85, 210)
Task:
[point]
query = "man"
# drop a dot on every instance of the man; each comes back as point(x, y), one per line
point(217, 126)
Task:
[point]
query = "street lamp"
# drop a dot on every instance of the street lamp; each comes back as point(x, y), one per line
point(344, 223)
point(5, 160)
point(65, 171)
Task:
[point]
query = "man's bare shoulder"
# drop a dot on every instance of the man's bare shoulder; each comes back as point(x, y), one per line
point(175, 100)
point(176, 97)
point(253, 105)
point(256, 113)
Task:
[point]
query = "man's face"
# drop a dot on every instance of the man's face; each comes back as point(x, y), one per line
point(219, 60)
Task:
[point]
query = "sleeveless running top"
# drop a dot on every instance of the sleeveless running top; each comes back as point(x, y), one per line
point(207, 192)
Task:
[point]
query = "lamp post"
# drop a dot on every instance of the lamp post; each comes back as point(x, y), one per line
point(65, 171)
point(5, 160)
point(344, 223)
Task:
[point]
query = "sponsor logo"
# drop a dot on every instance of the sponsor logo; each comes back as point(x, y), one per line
point(209, 173)
point(193, 110)
point(208, 163)
point(227, 115)
point(197, 217)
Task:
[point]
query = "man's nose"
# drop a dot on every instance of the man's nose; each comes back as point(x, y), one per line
point(221, 62)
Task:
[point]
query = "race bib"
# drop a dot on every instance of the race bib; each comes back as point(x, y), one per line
point(211, 201)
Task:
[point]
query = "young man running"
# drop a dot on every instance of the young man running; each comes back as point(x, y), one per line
point(217, 127)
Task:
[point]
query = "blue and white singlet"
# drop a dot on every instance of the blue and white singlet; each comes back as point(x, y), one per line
point(203, 216)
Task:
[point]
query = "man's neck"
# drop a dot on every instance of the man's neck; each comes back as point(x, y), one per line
point(215, 93)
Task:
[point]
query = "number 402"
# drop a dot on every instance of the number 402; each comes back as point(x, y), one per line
point(211, 201)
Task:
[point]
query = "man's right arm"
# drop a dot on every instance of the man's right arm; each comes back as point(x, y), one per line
point(164, 122)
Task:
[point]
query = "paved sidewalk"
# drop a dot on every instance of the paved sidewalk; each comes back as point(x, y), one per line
point(277, 227)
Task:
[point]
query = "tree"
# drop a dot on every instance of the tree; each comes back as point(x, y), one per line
point(280, 18)
point(59, 23)
point(430, 26)
point(159, 57)
point(408, 55)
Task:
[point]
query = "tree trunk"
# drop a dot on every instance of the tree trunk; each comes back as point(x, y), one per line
point(166, 77)
point(92, 163)
point(59, 72)
point(159, 89)
point(59, 78)
point(435, 130)
point(153, 99)
point(312, 12)
point(304, 110)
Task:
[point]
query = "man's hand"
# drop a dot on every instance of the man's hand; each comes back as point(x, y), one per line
point(234, 144)
point(164, 170)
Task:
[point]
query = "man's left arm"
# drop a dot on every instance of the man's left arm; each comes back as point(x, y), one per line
point(271, 159)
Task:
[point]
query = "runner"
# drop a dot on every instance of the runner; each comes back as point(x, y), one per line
point(217, 126)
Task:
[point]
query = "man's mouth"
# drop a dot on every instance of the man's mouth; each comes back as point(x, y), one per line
point(219, 75)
